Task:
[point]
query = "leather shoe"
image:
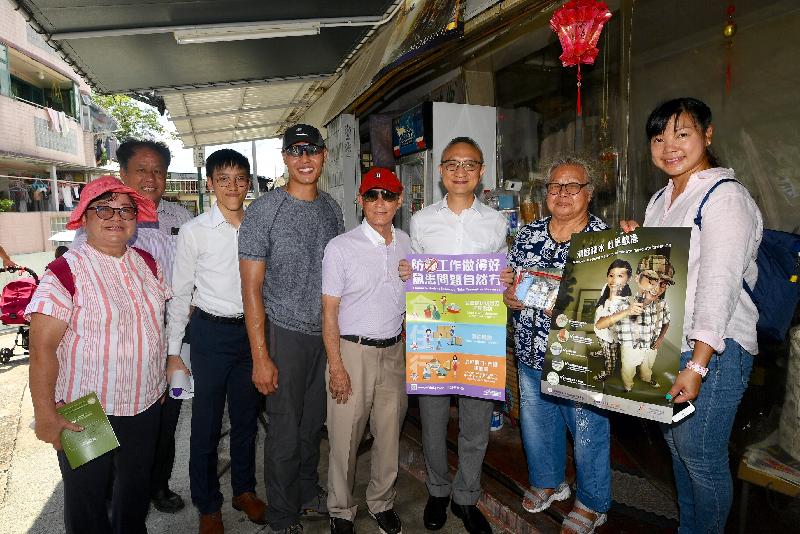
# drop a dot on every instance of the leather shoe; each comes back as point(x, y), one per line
point(473, 519)
point(167, 501)
point(211, 523)
point(342, 526)
point(251, 505)
point(435, 515)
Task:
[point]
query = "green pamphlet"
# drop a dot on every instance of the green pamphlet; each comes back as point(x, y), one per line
point(97, 437)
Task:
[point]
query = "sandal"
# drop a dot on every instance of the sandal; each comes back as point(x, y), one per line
point(580, 524)
point(536, 500)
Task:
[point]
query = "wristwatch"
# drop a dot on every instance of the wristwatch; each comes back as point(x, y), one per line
point(697, 368)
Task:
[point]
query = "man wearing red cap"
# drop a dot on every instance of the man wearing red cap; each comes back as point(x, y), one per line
point(363, 304)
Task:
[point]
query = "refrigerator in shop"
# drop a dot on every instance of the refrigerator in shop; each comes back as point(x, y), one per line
point(419, 136)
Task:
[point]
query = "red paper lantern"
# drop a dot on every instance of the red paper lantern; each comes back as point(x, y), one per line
point(578, 24)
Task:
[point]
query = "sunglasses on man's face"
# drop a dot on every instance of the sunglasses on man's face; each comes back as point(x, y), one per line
point(373, 194)
point(296, 151)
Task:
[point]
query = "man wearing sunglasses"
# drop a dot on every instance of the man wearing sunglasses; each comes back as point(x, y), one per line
point(458, 224)
point(363, 304)
point(281, 244)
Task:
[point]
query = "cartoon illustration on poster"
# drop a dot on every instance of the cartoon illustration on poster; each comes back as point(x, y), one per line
point(456, 326)
point(615, 338)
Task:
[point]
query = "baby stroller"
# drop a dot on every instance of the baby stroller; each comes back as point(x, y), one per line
point(13, 301)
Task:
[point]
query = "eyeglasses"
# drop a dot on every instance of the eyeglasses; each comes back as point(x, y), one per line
point(373, 194)
point(572, 188)
point(225, 180)
point(469, 165)
point(107, 212)
point(296, 151)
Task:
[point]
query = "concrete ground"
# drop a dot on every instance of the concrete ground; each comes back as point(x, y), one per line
point(31, 494)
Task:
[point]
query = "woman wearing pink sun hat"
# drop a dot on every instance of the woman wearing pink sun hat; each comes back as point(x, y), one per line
point(97, 321)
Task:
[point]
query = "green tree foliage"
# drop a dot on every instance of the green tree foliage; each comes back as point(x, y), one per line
point(135, 119)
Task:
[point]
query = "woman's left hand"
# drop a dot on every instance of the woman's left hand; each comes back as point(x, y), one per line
point(686, 387)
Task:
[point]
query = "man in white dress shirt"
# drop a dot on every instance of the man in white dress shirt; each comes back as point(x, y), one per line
point(457, 224)
point(206, 277)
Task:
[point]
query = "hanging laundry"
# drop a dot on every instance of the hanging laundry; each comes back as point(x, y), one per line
point(52, 117)
point(64, 122)
point(112, 147)
point(66, 192)
point(76, 192)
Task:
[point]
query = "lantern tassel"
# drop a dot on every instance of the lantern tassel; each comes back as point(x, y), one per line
point(579, 91)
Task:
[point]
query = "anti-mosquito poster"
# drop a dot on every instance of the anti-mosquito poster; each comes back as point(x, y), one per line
point(615, 336)
point(456, 326)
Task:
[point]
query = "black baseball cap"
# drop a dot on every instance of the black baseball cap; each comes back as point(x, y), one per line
point(300, 133)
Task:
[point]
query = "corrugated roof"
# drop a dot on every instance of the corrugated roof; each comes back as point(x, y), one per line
point(216, 92)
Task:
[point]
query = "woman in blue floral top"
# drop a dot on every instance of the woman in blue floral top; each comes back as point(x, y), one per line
point(544, 419)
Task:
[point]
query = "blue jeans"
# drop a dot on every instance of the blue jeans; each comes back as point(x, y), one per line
point(699, 443)
point(544, 420)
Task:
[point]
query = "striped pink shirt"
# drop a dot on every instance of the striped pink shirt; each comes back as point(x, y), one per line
point(114, 342)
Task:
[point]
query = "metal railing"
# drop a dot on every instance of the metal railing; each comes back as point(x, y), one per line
point(181, 186)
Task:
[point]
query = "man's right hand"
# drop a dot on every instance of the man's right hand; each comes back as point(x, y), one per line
point(265, 376)
point(48, 428)
point(339, 384)
point(404, 270)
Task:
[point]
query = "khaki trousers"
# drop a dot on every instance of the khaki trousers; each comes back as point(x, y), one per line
point(377, 377)
point(631, 358)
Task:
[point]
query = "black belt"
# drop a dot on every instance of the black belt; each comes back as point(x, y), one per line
point(236, 319)
point(380, 343)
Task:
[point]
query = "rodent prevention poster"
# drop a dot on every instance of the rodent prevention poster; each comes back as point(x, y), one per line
point(616, 328)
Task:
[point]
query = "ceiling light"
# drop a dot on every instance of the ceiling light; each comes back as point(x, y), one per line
point(240, 33)
point(40, 75)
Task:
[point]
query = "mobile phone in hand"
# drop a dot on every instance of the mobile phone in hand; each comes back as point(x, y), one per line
point(681, 410)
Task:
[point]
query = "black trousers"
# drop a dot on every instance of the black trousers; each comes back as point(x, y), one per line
point(126, 470)
point(222, 368)
point(296, 416)
point(165, 448)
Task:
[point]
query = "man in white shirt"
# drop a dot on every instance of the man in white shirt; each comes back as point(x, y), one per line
point(458, 224)
point(207, 292)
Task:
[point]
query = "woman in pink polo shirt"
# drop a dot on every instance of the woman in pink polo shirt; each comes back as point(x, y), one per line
point(97, 321)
